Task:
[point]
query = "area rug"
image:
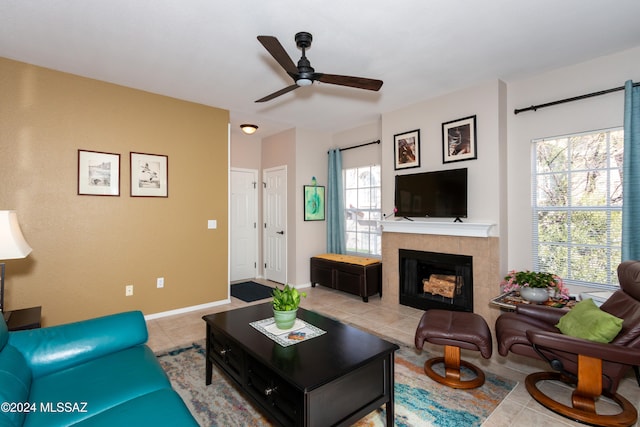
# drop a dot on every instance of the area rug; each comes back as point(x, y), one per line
point(419, 401)
point(251, 291)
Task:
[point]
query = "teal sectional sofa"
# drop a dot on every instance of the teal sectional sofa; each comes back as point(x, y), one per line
point(96, 372)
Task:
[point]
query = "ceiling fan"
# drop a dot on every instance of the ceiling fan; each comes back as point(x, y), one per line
point(304, 74)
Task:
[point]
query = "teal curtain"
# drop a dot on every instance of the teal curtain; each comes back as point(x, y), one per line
point(335, 205)
point(631, 174)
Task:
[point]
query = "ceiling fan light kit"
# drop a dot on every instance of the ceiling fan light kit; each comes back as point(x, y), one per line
point(304, 74)
point(249, 129)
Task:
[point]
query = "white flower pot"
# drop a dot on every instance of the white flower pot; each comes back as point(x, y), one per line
point(535, 295)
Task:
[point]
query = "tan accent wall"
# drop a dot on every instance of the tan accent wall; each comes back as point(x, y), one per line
point(87, 248)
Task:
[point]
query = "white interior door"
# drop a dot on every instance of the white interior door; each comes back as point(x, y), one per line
point(244, 224)
point(275, 224)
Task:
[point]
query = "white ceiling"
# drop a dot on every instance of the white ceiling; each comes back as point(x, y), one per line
point(206, 51)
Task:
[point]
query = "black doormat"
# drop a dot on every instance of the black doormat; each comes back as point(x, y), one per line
point(251, 291)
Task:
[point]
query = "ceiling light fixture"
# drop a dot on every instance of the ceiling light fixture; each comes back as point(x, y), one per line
point(249, 129)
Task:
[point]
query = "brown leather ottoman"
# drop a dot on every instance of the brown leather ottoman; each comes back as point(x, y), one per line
point(454, 330)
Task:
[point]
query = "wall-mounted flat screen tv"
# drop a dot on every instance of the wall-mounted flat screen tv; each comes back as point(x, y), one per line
point(439, 194)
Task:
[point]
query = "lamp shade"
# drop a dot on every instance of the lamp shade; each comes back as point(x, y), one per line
point(12, 243)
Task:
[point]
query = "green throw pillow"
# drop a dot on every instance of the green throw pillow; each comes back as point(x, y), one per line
point(587, 321)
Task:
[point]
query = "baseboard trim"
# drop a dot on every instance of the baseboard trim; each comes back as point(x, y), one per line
point(186, 309)
point(201, 306)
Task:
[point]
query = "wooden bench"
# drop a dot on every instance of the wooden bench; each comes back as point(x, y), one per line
point(353, 274)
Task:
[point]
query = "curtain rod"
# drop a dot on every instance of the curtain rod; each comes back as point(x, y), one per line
point(360, 145)
point(575, 98)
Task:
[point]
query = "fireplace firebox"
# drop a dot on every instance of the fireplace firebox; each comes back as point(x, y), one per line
point(433, 280)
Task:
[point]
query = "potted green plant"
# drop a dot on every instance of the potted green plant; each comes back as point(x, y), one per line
point(285, 305)
point(534, 286)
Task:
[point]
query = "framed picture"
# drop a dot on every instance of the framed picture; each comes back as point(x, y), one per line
point(98, 173)
point(406, 149)
point(459, 140)
point(313, 203)
point(149, 175)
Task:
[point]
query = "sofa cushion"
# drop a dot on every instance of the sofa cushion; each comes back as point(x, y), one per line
point(15, 383)
point(588, 322)
point(100, 383)
point(158, 408)
point(51, 349)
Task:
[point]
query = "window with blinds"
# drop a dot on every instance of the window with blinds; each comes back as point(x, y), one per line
point(363, 210)
point(577, 207)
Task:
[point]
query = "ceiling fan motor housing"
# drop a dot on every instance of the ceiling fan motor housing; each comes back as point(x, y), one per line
point(303, 40)
point(306, 73)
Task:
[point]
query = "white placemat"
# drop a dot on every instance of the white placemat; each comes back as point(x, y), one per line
point(299, 332)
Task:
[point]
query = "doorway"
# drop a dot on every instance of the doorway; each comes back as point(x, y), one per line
point(244, 224)
point(275, 224)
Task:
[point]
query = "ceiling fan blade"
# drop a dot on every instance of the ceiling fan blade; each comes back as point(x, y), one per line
point(276, 50)
point(278, 93)
point(357, 82)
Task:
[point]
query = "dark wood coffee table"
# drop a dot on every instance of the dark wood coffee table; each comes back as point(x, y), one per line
point(333, 379)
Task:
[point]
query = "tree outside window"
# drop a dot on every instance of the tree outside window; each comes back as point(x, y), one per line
point(577, 207)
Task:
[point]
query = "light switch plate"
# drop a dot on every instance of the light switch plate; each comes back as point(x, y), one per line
point(212, 224)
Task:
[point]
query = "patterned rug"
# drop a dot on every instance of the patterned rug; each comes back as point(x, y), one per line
point(419, 401)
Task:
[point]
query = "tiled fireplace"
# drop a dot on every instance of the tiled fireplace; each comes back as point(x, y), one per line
point(461, 239)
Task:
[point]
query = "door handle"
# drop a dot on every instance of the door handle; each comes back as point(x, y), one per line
point(280, 232)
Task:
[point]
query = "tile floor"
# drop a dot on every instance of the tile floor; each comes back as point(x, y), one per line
point(398, 322)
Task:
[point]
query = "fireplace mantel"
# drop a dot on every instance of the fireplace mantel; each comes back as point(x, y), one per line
point(422, 226)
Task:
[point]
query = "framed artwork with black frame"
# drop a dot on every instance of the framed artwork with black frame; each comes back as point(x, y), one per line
point(313, 202)
point(149, 175)
point(406, 149)
point(459, 140)
point(98, 173)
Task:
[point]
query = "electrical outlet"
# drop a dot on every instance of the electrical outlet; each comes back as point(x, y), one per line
point(160, 282)
point(128, 290)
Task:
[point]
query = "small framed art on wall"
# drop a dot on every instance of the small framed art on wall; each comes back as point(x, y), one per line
point(98, 173)
point(149, 175)
point(406, 149)
point(459, 140)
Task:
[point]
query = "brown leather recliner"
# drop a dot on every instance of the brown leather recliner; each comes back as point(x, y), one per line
point(593, 368)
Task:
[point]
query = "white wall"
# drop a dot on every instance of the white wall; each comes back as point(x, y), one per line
point(310, 237)
point(485, 102)
point(591, 114)
point(500, 179)
point(280, 150)
point(246, 151)
point(362, 156)
point(304, 153)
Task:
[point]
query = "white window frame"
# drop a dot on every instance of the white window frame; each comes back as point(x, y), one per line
point(611, 242)
point(371, 214)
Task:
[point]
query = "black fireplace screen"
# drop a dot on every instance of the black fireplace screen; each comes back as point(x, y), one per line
point(436, 280)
